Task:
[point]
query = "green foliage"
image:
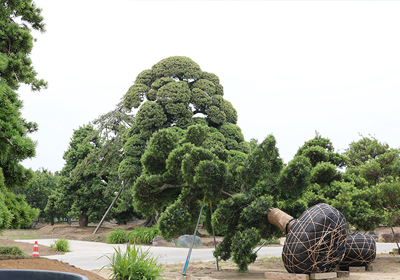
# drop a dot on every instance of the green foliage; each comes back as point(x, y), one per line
point(117, 236)
point(266, 183)
point(22, 213)
point(16, 42)
point(365, 149)
point(317, 141)
point(15, 146)
point(61, 245)
point(325, 170)
point(54, 207)
point(184, 83)
point(143, 235)
point(178, 174)
point(17, 19)
point(180, 167)
point(324, 173)
point(185, 158)
point(373, 160)
point(179, 217)
point(82, 194)
point(242, 245)
point(40, 188)
point(11, 251)
point(104, 159)
point(271, 241)
point(389, 197)
point(294, 175)
point(133, 264)
point(5, 214)
point(358, 205)
point(175, 92)
point(369, 191)
point(263, 163)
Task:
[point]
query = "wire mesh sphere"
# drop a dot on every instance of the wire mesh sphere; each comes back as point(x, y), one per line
point(316, 241)
point(360, 251)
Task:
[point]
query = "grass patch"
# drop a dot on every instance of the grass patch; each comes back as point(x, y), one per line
point(117, 236)
point(270, 241)
point(11, 251)
point(61, 245)
point(143, 235)
point(133, 264)
point(26, 236)
point(98, 238)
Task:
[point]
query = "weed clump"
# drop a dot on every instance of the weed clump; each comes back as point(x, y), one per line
point(143, 235)
point(133, 264)
point(61, 245)
point(11, 252)
point(117, 236)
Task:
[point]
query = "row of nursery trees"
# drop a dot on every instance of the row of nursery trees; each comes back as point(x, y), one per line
point(183, 145)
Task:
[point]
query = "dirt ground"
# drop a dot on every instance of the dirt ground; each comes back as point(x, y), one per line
point(384, 267)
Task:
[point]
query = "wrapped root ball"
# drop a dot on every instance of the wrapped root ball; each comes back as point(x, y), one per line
point(360, 251)
point(316, 241)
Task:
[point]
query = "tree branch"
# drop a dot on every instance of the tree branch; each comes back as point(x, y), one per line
point(164, 187)
point(224, 192)
point(243, 187)
point(168, 186)
point(8, 140)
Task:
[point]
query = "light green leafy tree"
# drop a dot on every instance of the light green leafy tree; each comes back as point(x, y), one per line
point(42, 185)
point(369, 186)
point(22, 213)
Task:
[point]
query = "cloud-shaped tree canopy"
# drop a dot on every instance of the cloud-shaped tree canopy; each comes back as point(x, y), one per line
point(183, 91)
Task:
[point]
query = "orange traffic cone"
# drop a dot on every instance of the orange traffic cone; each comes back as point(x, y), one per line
point(35, 250)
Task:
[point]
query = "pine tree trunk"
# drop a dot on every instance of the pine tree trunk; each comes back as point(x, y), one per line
point(83, 219)
point(150, 221)
point(52, 218)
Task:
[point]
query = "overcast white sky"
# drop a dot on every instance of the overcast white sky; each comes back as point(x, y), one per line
point(290, 68)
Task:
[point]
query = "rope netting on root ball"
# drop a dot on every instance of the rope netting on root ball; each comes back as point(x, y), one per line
point(360, 251)
point(316, 241)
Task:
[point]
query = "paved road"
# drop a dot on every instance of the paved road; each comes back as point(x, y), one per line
point(88, 255)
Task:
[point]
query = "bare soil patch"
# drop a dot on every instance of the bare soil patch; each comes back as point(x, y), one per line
point(385, 267)
point(47, 264)
point(71, 232)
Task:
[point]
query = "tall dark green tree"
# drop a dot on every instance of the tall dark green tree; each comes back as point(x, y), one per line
point(175, 92)
point(325, 173)
point(105, 158)
point(182, 167)
point(82, 195)
point(5, 213)
point(17, 20)
point(15, 145)
point(265, 183)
